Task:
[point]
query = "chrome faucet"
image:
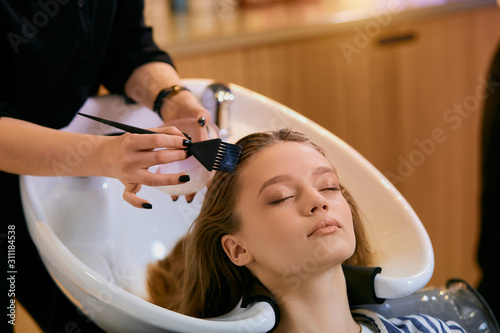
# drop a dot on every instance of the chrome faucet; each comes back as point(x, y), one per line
point(216, 98)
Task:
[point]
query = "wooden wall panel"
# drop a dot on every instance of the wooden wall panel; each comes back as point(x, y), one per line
point(392, 104)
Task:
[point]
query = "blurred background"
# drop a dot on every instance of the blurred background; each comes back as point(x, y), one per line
point(402, 81)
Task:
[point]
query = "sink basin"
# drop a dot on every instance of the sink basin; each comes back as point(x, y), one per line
point(96, 246)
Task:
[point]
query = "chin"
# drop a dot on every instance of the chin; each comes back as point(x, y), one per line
point(335, 247)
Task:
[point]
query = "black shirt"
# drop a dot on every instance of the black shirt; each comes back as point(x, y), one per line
point(54, 54)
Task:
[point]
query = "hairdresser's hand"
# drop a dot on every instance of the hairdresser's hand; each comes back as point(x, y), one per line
point(185, 113)
point(130, 155)
point(183, 105)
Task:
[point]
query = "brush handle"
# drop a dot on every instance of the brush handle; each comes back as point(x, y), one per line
point(127, 128)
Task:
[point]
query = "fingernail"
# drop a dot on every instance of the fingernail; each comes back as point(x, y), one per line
point(202, 121)
point(186, 143)
point(175, 198)
point(189, 201)
point(147, 206)
point(184, 178)
point(187, 136)
point(188, 153)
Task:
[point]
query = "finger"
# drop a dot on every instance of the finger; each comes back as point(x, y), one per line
point(152, 141)
point(129, 195)
point(203, 113)
point(159, 157)
point(135, 167)
point(170, 130)
point(152, 179)
point(190, 197)
point(174, 197)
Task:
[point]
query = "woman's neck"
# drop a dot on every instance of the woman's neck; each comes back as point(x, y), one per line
point(317, 304)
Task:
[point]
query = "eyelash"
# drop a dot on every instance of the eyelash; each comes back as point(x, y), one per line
point(331, 189)
point(276, 202)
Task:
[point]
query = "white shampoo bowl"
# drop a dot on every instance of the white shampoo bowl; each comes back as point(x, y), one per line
point(97, 247)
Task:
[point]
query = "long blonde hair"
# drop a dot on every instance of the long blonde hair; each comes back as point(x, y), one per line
point(197, 278)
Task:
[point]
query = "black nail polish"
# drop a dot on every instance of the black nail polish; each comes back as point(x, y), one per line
point(147, 206)
point(202, 121)
point(186, 143)
point(187, 136)
point(188, 152)
point(184, 178)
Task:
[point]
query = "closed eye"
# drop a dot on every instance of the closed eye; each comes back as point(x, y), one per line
point(278, 201)
point(326, 189)
point(330, 189)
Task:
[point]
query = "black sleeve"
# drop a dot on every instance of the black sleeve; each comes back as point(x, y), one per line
point(132, 45)
point(7, 109)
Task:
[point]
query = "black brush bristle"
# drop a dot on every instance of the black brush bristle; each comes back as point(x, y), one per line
point(227, 157)
point(216, 155)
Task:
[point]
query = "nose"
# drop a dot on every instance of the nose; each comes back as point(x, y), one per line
point(323, 207)
point(314, 202)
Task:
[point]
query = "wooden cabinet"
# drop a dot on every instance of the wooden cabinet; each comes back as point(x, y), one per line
point(408, 97)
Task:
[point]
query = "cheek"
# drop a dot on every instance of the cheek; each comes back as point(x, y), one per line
point(350, 241)
point(269, 239)
point(349, 228)
point(347, 238)
point(344, 212)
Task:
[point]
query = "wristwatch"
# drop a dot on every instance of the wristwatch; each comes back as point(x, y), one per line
point(164, 93)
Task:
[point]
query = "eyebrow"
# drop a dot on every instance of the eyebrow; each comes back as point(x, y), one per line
point(323, 169)
point(274, 180)
point(284, 178)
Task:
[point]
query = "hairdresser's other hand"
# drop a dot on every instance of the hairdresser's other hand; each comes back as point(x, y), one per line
point(132, 155)
point(185, 106)
point(189, 197)
point(189, 116)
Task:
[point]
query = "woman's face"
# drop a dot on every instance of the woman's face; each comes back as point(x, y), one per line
point(294, 219)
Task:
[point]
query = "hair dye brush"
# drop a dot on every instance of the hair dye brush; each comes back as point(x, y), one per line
point(213, 154)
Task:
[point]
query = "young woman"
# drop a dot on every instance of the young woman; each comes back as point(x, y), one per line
point(283, 207)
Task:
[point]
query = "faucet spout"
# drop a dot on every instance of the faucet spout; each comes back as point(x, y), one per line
point(217, 98)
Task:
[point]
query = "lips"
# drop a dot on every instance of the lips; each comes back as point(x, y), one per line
point(324, 226)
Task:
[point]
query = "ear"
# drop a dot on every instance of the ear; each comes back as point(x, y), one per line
point(236, 252)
